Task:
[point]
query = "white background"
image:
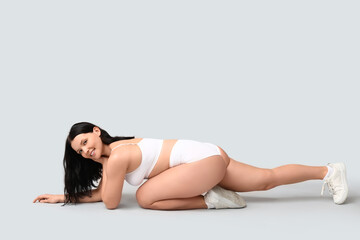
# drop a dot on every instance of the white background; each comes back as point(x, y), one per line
point(271, 82)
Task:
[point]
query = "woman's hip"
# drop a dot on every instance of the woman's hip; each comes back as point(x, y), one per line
point(186, 151)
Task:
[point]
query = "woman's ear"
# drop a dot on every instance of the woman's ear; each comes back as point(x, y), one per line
point(97, 131)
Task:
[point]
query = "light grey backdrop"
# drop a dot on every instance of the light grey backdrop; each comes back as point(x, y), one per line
point(271, 82)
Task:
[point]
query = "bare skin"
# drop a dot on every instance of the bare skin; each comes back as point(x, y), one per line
point(178, 187)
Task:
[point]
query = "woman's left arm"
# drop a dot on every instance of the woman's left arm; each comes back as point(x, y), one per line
point(114, 170)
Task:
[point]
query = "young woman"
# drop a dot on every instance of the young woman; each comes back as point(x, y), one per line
point(182, 174)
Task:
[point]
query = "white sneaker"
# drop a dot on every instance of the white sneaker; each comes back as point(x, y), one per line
point(337, 183)
point(222, 198)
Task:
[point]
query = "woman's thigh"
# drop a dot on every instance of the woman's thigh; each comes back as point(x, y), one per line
point(241, 177)
point(183, 181)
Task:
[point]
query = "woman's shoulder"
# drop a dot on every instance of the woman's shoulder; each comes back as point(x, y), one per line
point(119, 158)
point(124, 142)
point(124, 152)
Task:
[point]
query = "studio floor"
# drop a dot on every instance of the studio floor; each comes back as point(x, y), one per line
point(297, 211)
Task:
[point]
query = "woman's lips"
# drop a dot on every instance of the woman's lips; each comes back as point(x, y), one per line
point(92, 153)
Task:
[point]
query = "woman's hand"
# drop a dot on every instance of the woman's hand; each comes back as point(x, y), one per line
point(50, 198)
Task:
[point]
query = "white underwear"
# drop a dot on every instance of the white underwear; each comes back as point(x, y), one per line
point(186, 151)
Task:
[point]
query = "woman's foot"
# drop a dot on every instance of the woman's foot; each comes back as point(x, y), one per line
point(337, 183)
point(218, 197)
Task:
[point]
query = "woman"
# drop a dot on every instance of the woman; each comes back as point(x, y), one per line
point(179, 172)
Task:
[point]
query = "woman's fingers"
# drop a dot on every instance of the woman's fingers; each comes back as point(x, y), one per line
point(41, 197)
point(47, 198)
point(37, 198)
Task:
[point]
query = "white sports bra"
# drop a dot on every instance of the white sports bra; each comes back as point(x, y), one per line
point(150, 151)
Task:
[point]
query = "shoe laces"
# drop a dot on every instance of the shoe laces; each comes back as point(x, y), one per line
point(330, 187)
point(333, 190)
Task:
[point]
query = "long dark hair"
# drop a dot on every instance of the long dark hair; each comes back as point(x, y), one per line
point(80, 172)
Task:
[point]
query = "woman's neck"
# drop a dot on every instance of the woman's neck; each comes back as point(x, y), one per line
point(106, 151)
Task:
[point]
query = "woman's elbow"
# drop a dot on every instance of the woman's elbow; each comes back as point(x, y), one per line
point(111, 205)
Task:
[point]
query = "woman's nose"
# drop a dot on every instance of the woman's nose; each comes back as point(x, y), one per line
point(85, 151)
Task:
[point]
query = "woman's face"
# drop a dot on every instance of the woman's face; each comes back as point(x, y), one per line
point(88, 145)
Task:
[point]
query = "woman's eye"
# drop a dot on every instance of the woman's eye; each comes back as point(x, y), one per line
point(84, 144)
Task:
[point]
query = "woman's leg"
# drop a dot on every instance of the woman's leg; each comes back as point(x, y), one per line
point(242, 177)
point(181, 187)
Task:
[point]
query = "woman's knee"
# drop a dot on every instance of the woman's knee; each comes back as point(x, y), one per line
point(142, 198)
point(268, 179)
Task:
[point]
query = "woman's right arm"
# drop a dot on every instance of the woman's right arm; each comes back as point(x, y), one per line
point(60, 198)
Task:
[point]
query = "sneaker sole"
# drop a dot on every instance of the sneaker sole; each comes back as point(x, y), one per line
point(343, 179)
point(230, 195)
